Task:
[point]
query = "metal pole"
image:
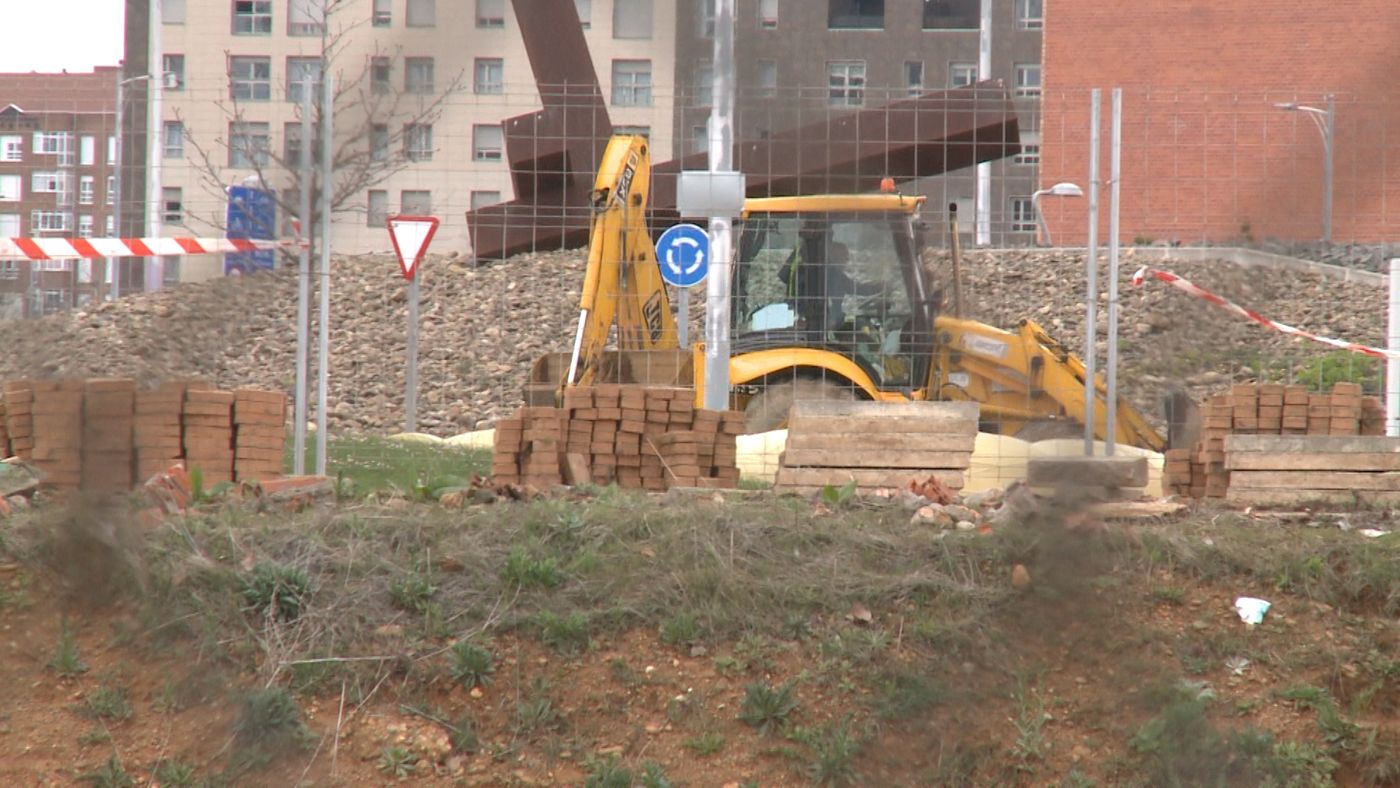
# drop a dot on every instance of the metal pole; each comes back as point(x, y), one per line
point(155, 267)
point(683, 316)
point(1092, 271)
point(113, 284)
point(323, 351)
point(1392, 364)
point(1328, 140)
point(956, 246)
point(303, 288)
point(1115, 175)
point(984, 170)
point(410, 400)
point(721, 159)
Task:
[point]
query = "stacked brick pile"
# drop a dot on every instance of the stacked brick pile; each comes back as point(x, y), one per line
point(19, 419)
point(58, 431)
point(259, 433)
point(1265, 409)
point(635, 436)
point(109, 410)
point(208, 426)
point(158, 432)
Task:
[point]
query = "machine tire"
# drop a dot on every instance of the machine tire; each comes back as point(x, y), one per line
point(769, 409)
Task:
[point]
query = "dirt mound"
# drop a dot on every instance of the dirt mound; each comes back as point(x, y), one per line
point(482, 328)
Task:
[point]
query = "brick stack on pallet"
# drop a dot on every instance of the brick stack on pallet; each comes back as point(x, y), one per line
point(1264, 409)
point(58, 432)
point(19, 418)
point(259, 434)
point(1294, 470)
point(158, 435)
point(618, 434)
point(109, 411)
point(877, 444)
point(207, 419)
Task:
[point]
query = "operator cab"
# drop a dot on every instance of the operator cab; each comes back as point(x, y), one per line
point(835, 273)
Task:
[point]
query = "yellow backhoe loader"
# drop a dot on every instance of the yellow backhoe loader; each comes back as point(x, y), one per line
point(829, 300)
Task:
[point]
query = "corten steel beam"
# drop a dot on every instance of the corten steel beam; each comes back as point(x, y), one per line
point(554, 153)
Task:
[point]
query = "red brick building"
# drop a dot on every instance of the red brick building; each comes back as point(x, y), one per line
point(56, 166)
point(1206, 154)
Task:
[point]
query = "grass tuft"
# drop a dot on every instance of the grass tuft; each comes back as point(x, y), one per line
point(277, 590)
point(766, 707)
point(472, 665)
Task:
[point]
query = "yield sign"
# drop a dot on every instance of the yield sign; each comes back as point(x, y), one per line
point(411, 236)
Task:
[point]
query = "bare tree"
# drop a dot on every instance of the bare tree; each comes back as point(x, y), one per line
point(379, 127)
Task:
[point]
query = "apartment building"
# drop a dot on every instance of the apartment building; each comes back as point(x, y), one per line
point(424, 86)
point(57, 157)
point(806, 61)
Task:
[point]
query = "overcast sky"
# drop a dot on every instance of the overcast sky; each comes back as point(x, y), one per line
point(53, 35)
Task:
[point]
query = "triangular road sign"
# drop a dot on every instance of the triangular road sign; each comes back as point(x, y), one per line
point(411, 236)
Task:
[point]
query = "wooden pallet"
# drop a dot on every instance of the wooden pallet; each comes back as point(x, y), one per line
point(1290, 470)
point(876, 444)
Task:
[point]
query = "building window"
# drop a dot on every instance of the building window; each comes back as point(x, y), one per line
point(486, 142)
point(418, 142)
point(418, 75)
point(767, 78)
point(301, 70)
point(952, 14)
point(110, 225)
point(292, 147)
point(416, 202)
point(111, 194)
point(87, 150)
point(11, 148)
point(172, 202)
point(250, 78)
point(961, 74)
point(85, 226)
point(632, 18)
point(640, 131)
point(631, 83)
point(1030, 14)
point(421, 13)
point(855, 14)
point(9, 228)
point(768, 14)
point(380, 74)
point(306, 17)
point(1028, 79)
point(707, 18)
point(48, 221)
point(172, 12)
point(1022, 215)
point(87, 190)
point(585, 13)
point(379, 142)
point(11, 188)
point(376, 208)
point(54, 143)
point(491, 13)
point(173, 67)
point(845, 81)
point(46, 182)
point(252, 17)
point(914, 76)
point(248, 144)
point(383, 14)
point(484, 199)
point(111, 149)
point(699, 139)
point(54, 301)
point(704, 84)
point(1030, 148)
point(490, 75)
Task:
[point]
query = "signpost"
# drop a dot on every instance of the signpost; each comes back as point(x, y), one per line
point(252, 213)
point(411, 236)
point(683, 253)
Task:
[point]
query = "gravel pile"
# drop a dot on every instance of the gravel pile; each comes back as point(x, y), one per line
point(482, 328)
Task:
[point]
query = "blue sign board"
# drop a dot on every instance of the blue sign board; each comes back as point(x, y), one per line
point(683, 253)
point(252, 213)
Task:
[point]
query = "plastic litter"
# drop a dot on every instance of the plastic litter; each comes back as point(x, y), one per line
point(1252, 610)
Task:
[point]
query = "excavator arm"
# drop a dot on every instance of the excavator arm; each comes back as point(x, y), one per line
point(622, 284)
point(1026, 377)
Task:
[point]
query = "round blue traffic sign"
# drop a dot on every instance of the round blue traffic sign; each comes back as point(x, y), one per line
point(683, 253)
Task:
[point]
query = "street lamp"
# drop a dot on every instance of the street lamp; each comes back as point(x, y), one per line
point(1062, 189)
point(1325, 120)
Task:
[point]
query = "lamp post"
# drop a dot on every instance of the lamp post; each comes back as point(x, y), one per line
point(1325, 120)
point(1062, 189)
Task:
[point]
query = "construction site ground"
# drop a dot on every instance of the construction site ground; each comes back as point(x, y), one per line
point(606, 638)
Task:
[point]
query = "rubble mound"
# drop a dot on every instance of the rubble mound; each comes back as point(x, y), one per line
point(482, 328)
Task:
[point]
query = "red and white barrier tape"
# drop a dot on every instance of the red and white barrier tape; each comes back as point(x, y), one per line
point(1249, 314)
point(89, 248)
